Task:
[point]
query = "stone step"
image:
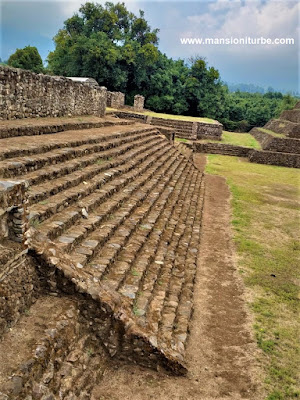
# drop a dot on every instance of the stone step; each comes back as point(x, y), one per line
point(35, 127)
point(107, 182)
point(91, 166)
point(103, 157)
point(146, 245)
point(61, 221)
point(114, 211)
point(164, 241)
point(22, 165)
point(19, 147)
point(150, 199)
point(178, 304)
point(173, 123)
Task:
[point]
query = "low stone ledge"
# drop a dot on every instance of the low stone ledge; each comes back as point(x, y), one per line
point(275, 158)
point(222, 148)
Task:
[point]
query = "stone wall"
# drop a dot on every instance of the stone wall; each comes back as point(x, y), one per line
point(222, 148)
point(24, 94)
point(209, 131)
point(184, 129)
point(273, 143)
point(255, 156)
point(139, 102)
point(275, 158)
point(115, 99)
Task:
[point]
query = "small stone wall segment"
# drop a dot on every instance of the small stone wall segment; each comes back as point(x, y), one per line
point(275, 158)
point(13, 221)
point(256, 156)
point(184, 129)
point(209, 131)
point(139, 102)
point(272, 143)
point(115, 99)
point(221, 148)
point(25, 94)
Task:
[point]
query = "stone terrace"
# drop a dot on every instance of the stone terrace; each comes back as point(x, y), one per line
point(113, 215)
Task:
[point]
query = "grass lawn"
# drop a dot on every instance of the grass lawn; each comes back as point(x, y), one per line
point(265, 202)
point(237, 139)
point(169, 116)
point(272, 133)
point(240, 139)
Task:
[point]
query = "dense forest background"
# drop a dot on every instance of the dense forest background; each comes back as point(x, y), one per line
point(120, 50)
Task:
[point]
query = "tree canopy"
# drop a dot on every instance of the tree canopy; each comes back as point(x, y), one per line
point(27, 58)
point(120, 50)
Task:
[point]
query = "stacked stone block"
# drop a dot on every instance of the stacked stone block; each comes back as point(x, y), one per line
point(139, 102)
point(115, 99)
point(24, 94)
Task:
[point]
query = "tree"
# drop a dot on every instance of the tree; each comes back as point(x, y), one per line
point(107, 43)
point(27, 58)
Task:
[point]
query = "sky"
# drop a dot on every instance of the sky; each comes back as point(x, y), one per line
point(36, 22)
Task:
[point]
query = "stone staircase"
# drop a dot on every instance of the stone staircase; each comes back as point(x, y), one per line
point(114, 217)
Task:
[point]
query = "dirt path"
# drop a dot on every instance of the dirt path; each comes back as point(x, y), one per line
point(221, 350)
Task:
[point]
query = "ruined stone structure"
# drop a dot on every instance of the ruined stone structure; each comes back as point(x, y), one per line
point(115, 99)
point(88, 81)
point(100, 227)
point(277, 148)
point(288, 123)
point(139, 101)
point(183, 129)
point(25, 94)
point(291, 160)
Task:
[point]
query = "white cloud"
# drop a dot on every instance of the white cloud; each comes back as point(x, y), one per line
point(226, 18)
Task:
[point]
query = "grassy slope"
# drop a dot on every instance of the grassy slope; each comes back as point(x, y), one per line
point(237, 139)
point(266, 227)
point(240, 139)
point(170, 116)
point(281, 135)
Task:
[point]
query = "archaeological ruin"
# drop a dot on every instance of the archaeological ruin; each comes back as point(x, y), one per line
point(100, 225)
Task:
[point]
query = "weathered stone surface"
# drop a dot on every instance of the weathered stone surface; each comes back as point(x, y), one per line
point(115, 99)
point(25, 94)
point(139, 101)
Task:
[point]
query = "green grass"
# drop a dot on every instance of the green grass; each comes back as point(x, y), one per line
point(240, 139)
point(177, 139)
point(265, 203)
point(281, 135)
point(169, 116)
point(237, 139)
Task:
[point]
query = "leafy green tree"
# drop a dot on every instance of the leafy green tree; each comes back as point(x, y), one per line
point(27, 58)
point(120, 50)
point(107, 43)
